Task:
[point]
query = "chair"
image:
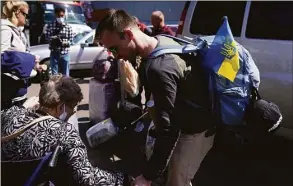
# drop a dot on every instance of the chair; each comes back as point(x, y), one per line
point(30, 172)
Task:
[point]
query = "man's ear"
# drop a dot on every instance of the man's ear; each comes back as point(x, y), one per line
point(128, 34)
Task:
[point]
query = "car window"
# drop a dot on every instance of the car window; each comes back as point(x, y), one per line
point(207, 16)
point(270, 20)
point(90, 40)
point(79, 37)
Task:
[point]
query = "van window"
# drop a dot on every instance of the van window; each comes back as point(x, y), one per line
point(207, 16)
point(270, 20)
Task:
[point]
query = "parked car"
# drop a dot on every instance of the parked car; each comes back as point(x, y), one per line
point(82, 52)
point(42, 12)
point(265, 29)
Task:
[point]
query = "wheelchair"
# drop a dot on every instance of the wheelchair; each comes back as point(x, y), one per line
point(41, 171)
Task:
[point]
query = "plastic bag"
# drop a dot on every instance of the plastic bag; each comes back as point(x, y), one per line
point(101, 132)
point(129, 78)
point(150, 142)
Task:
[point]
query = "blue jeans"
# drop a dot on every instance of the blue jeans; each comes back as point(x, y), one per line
point(59, 61)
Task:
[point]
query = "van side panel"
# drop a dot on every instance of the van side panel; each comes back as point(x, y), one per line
point(273, 58)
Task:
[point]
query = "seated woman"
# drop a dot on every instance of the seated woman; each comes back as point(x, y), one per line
point(57, 98)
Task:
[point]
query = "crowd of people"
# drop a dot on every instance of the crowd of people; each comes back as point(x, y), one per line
point(184, 135)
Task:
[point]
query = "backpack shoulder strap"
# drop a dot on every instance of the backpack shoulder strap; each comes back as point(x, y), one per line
point(11, 39)
point(173, 49)
point(23, 129)
point(183, 48)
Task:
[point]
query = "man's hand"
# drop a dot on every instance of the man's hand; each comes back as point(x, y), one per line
point(65, 43)
point(53, 37)
point(141, 181)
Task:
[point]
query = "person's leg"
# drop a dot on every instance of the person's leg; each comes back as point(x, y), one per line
point(64, 63)
point(187, 157)
point(54, 60)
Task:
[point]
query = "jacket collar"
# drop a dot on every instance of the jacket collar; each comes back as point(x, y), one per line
point(6, 22)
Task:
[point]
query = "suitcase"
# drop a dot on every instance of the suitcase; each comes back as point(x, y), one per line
point(102, 97)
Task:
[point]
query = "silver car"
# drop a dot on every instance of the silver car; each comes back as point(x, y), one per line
point(82, 52)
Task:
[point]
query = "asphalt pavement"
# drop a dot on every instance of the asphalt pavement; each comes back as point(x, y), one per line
point(225, 165)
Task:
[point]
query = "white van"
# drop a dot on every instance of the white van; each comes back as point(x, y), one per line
point(266, 30)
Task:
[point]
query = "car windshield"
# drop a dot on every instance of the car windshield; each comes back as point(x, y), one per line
point(78, 37)
point(73, 13)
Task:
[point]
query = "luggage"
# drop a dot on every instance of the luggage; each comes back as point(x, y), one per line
point(105, 69)
point(101, 132)
point(225, 67)
point(102, 96)
point(125, 113)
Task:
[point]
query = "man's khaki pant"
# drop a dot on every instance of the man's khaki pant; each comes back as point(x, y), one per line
point(187, 157)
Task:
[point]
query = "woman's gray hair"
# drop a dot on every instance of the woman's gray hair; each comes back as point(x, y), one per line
point(60, 89)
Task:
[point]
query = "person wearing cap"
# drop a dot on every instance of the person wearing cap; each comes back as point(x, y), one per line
point(159, 27)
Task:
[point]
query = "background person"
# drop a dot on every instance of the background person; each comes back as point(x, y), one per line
point(14, 14)
point(159, 27)
point(60, 37)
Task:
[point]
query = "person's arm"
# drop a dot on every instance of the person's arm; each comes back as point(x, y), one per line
point(77, 160)
point(70, 36)
point(163, 81)
point(5, 39)
point(68, 39)
point(49, 32)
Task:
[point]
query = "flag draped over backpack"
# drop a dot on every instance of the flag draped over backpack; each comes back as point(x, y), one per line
point(228, 69)
point(229, 81)
point(223, 54)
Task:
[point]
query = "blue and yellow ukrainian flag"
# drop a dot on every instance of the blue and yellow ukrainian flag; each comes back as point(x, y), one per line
point(223, 55)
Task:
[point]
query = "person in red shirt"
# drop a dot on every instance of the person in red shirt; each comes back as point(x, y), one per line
point(159, 26)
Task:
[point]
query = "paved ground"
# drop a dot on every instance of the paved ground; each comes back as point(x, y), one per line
point(226, 165)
